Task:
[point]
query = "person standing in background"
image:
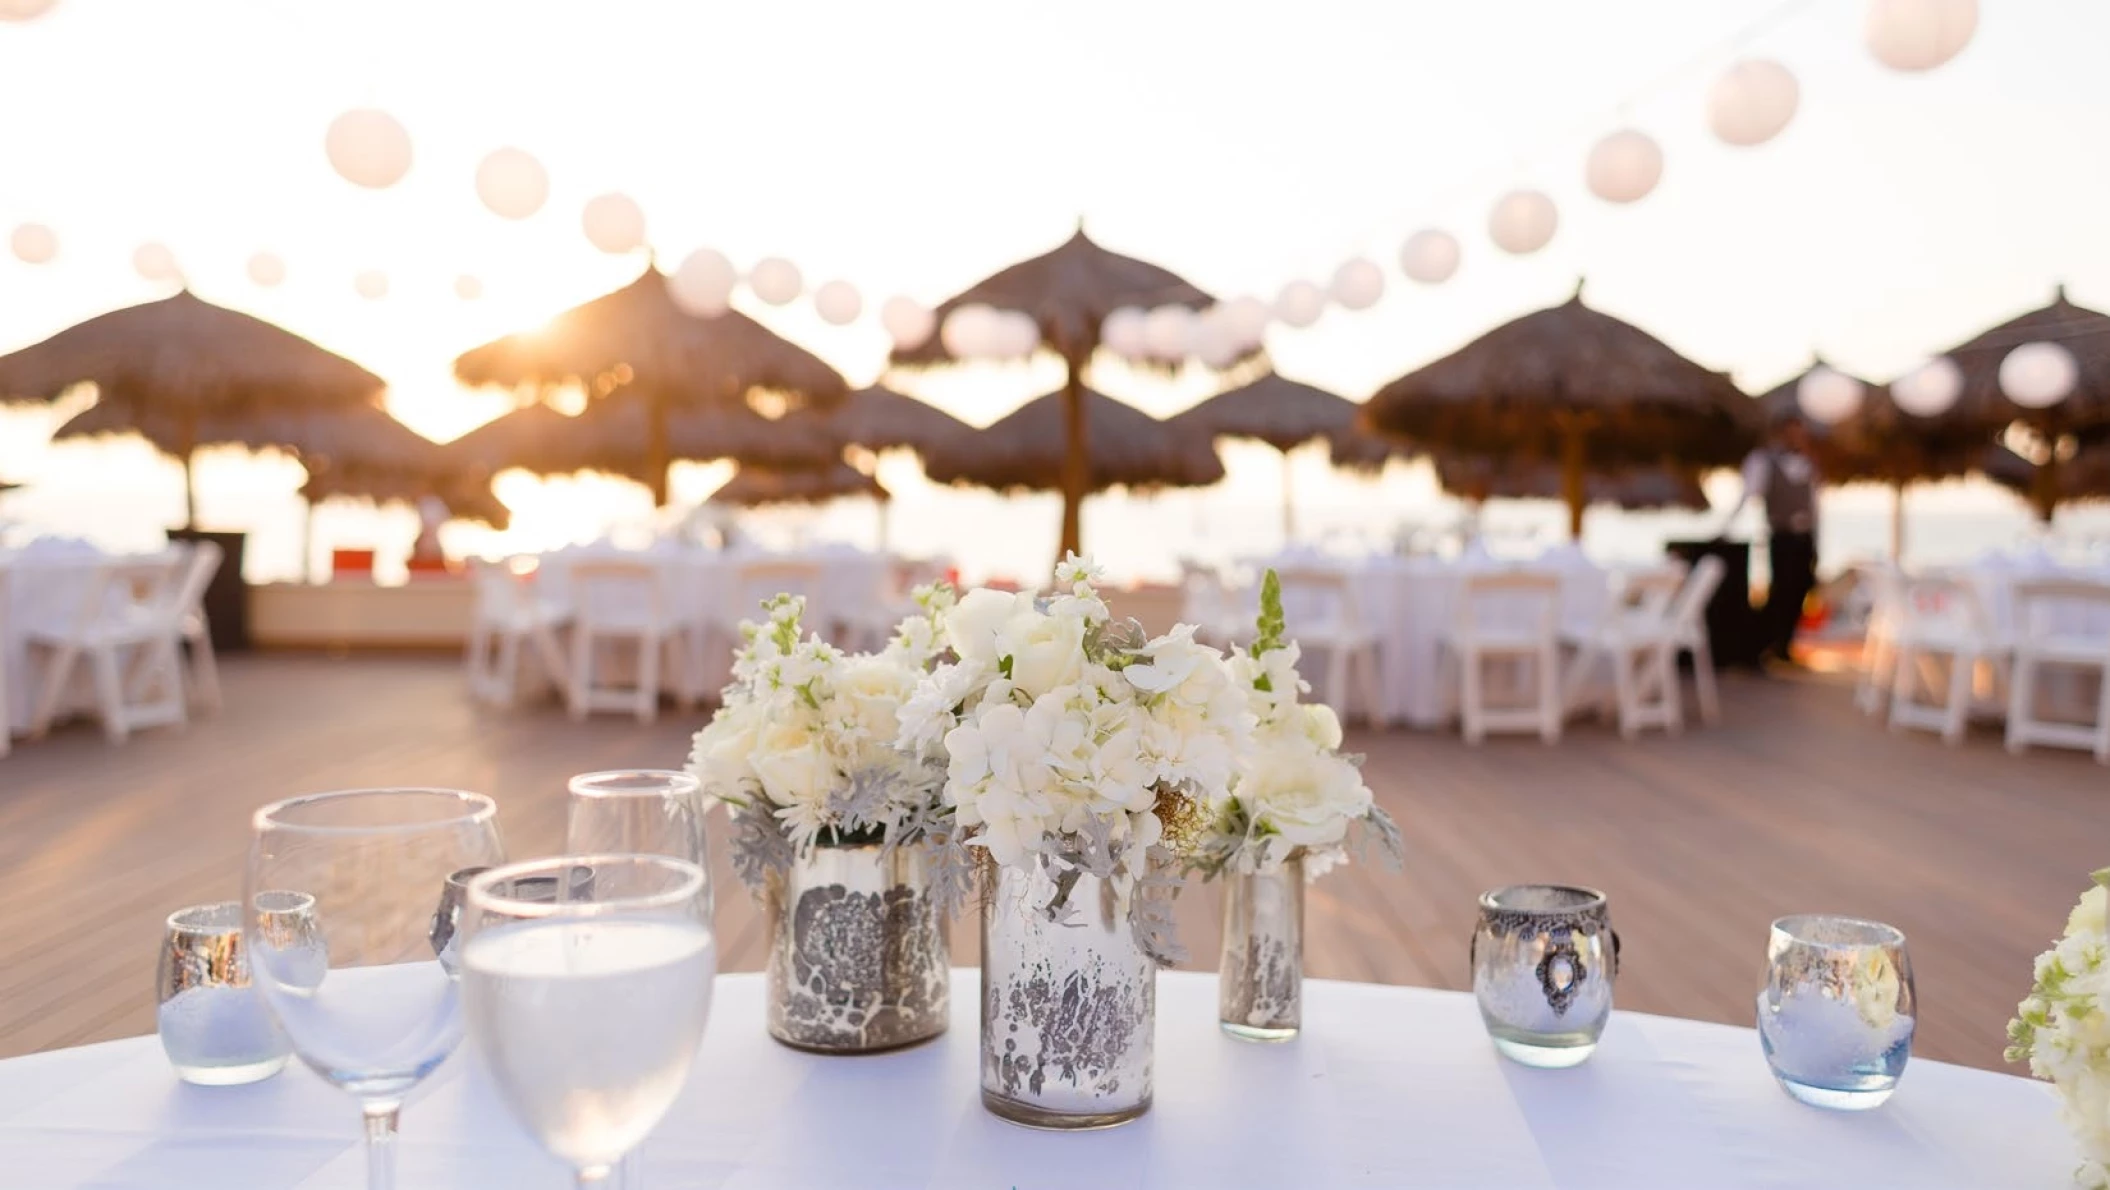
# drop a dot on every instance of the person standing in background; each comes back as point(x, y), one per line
point(1783, 474)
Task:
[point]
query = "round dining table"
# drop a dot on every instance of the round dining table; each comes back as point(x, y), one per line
point(1387, 1087)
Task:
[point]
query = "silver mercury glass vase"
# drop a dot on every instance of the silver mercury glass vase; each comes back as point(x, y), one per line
point(858, 960)
point(1069, 1003)
point(1260, 981)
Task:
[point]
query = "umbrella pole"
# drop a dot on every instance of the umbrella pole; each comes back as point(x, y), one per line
point(1573, 443)
point(1076, 457)
point(307, 544)
point(1897, 522)
point(1289, 502)
point(190, 467)
point(656, 461)
point(2044, 488)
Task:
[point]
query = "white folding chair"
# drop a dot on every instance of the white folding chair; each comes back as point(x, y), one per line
point(510, 610)
point(1636, 640)
point(619, 601)
point(1512, 617)
point(1322, 611)
point(1879, 646)
point(2064, 623)
point(205, 559)
point(1688, 618)
point(128, 625)
point(1206, 603)
point(1942, 621)
point(758, 580)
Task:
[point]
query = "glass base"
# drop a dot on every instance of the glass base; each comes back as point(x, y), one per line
point(851, 1051)
point(1545, 1057)
point(1029, 1116)
point(231, 1076)
point(1256, 1033)
point(1836, 1100)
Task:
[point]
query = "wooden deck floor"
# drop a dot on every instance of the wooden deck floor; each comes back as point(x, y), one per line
point(1796, 804)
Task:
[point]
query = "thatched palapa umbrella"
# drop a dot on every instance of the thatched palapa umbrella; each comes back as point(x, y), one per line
point(637, 341)
point(1068, 292)
point(1274, 409)
point(1479, 478)
point(612, 436)
point(1026, 451)
point(1985, 409)
point(183, 364)
point(1572, 384)
point(757, 487)
point(878, 418)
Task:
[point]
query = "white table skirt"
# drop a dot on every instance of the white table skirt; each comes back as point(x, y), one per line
point(1388, 1087)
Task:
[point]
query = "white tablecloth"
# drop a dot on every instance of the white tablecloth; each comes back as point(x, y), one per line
point(1388, 1087)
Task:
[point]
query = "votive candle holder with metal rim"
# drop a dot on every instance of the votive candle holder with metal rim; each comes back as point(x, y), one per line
point(215, 1028)
point(1837, 1010)
point(1544, 960)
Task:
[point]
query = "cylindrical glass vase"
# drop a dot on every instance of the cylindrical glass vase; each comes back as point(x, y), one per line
point(1069, 1003)
point(1260, 982)
point(858, 960)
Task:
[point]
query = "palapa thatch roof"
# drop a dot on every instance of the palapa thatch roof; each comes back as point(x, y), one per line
point(1879, 442)
point(1982, 405)
point(2081, 479)
point(753, 487)
point(1637, 490)
point(1024, 451)
point(185, 356)
point(638, 338)
point(1274, 409)
point(611, 437)
point(878, 418)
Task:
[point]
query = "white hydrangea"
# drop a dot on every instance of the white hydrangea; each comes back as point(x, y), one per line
point(2063, 1028)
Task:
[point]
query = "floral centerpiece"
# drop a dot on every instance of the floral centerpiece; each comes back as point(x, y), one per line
point(1294, 809)
point(1081, 755)
point(2063, 1029)
point(843, 836)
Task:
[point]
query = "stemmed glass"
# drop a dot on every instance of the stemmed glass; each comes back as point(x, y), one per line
point(354, 982)
point(588, 1007)
point(640, 812)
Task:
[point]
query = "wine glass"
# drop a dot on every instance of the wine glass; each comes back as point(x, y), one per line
point(588, 1007)
point(640, 812)
point(354, 981)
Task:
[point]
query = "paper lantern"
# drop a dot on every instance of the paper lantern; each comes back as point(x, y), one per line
point(512, 183)
point(1165, 332)
point(1429, 256)
point(371, 285)
point(908, 322)
point(1827, 396)
point(1013, 335)
point(155, 262)
point(838, 303)
point(1930, 389)
point(2038, 375)
point(970, 332)
point(468, 288)
point(1749, 103)
point(775, 280)
point(368, 148)
point(267, 270)
point(24, 10)
point(1124, 332)
point(1247, 317)
point(1357, 284)
point(1522, 222)
point(1299, 304)
point(703, 283)
point(34, 243)
point(1214, 340)
point(1916, 35)
point(1624, 166)
point(614, 223)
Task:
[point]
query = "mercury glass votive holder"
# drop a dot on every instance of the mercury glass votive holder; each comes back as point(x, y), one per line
point(1544, 960)
point(214, 1027)
point(1836, 1010)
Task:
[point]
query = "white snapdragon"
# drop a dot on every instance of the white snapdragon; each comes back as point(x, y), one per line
point(2063, 1029)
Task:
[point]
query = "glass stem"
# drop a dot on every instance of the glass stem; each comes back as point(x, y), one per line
point(626, 1175)
point(381, 1147)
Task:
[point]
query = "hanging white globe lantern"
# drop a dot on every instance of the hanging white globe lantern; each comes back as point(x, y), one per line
point(1624, 166)
point(776, 280)
point(1125, 332)
point(703, 283)
point(1299, 304)
point(1213, 340)
point(1357, 284)
point(907, 322)
point(371, 285)
point(1430, 256)
point(34, 243)
point(1522, 222)
point(1828, 397)
point(2039, 375)
point(512, 183)
point(1247, 317)
point(1929, 390)
point(971, 332)
point(267, 269)
point(1749, 103)
point(24, 10)
point(614, 223)
point(155, 263)
point(368, 148)
point(1013, 335)
point(1165, 332)
point(838, 303)
point(1917, 35)
point(468, 288)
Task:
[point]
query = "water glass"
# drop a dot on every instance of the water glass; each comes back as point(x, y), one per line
point(588, 1008)
point(640, 812)
point(1544, 960)
point(215, 1028)
point(356, 983)
point(1836, 1011)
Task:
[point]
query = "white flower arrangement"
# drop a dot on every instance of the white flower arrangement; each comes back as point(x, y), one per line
point(802, 751)
point(1072, 740)
point(1294, 794)
point(2063, 1029)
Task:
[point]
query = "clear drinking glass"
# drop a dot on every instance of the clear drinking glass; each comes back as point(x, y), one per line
point(355, 983)
point(640, 812)
point(588, 1008)
point(216, 1030)
point(1837, 1010)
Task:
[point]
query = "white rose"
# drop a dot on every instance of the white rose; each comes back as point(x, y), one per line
point(1321, 726)
point(1170, 661)
point(2092, 916)
point(873, 690)
point(722, 751)
point(1309, 798)
point(791, 763)
point(1046, 651)
point(972, 626)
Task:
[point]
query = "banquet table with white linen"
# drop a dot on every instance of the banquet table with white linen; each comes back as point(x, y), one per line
point(44, 584)
point(1391, 1087)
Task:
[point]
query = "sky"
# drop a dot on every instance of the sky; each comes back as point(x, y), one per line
point(913, 147)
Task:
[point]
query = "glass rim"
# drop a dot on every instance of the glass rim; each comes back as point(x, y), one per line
point(230, 909)
point(663, 781)
point(1796, 927)
point(1586, 899)
point(479, 808)
point(480, 895)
